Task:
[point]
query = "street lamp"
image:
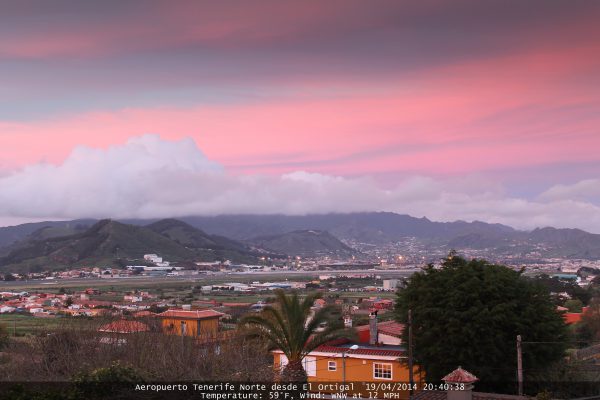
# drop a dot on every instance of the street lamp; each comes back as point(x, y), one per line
point(353, 347)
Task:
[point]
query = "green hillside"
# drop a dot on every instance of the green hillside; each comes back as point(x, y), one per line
point(305, 243)
point(102, 244)
point(111, 243)
point(206, 246)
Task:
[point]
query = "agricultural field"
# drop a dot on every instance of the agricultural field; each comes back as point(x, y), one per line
point(20, 325)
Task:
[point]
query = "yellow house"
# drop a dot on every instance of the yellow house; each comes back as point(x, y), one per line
point(193, 323)
point(356, 363)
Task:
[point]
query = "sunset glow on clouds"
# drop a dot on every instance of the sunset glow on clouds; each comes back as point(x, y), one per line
point(464, 110)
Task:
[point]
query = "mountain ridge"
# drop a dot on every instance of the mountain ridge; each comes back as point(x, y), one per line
point(102, 243)
point(108, 242)
point(373, 228)
point(304, 243)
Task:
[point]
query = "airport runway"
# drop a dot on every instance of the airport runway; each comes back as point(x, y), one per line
point(153, 280)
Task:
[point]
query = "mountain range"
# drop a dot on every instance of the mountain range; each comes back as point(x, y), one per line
point(379, 228)
point(243, 238)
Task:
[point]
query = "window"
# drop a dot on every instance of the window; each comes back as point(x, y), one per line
point(332, 366)
point(382, 371)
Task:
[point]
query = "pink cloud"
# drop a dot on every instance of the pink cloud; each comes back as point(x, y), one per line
point(520, 109)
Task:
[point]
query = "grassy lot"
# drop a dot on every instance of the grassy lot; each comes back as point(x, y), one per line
point(235, 298)
point(21, 325)
point(354, 295)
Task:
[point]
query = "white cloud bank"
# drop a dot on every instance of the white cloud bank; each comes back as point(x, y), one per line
point(149, 177)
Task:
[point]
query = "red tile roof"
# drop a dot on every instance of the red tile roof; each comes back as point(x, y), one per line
point(124, 326)
point(190, 314)
point(391, 328)
point(383, 351)
point(572, 318)
point(459, 375)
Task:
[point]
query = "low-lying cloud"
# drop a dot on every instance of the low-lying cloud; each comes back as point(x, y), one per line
point(149, 177)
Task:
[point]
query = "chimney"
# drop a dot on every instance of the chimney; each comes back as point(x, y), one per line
point(459, 378)
point(373, 335)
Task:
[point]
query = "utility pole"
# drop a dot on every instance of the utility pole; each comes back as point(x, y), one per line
point(353, 347)
point(411, 379)
point(344, 368)
point(519, 365)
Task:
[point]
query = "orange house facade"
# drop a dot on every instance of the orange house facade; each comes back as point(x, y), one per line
point(197, 323)
point(341, 364)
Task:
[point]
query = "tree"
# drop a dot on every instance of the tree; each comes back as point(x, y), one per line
point(155, 308)
point(106, 382)
point(288, 326)
point(9, 277)
point(588, 330)
point(556, 285)
point(574, 305)
point(469, 313)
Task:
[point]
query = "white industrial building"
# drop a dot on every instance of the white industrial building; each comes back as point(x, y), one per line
point(390, 284)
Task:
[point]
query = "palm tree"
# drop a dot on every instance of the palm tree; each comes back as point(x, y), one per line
point(290, 327)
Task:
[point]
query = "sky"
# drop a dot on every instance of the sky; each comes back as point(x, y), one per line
point(464, 110)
